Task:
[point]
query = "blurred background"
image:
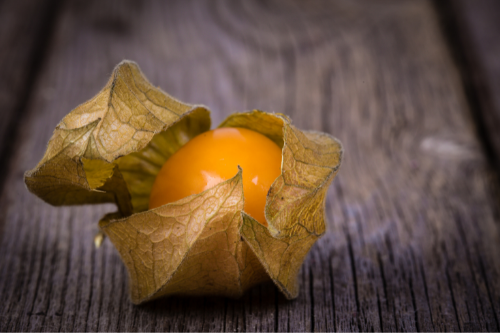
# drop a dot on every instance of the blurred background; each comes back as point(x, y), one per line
point(411, 88)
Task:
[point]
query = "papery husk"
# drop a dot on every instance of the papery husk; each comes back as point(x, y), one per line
point(203, 244)
point(190, 247)
point(80, 165)
point(295, 203)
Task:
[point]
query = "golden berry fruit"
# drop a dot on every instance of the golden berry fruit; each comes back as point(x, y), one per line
point(213, 157)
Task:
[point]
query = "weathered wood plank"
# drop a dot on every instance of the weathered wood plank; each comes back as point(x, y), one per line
point(413, 231)
point(473, 32)
point(24, 30)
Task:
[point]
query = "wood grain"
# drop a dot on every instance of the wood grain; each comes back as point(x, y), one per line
point(24, 35)
point(413, 228)
point(473, 30)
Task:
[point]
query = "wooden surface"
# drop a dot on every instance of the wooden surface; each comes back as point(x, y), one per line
point(21, 59)
point(475, 30)
point(413, 238)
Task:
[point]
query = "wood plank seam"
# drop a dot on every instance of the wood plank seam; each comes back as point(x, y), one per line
point(34, 63)
point(472, 72)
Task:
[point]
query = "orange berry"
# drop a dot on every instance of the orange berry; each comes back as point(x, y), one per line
point(213, 157)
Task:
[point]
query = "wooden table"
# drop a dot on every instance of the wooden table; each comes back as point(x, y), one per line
point(409, 87)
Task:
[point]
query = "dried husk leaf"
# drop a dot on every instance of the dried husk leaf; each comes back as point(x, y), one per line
point(203, 244)
point(80, 164)
point(295, 204)
point(190, 247)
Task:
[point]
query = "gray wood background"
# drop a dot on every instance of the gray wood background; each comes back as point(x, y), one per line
point(409, 87)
